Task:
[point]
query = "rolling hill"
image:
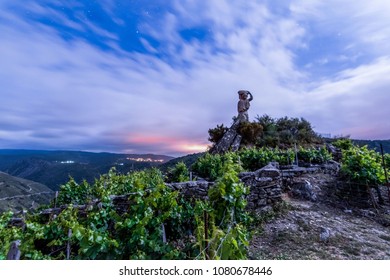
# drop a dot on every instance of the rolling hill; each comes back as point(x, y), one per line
point(188, 160)
point(17, 193)
point(374, 144)
point(54, 168)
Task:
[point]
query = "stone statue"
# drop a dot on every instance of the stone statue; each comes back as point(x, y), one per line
point(231, 140)
point(243, 105)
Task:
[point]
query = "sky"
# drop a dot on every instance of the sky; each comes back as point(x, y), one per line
point(136, 76)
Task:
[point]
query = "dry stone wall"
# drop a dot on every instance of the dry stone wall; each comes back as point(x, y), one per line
point(192, 189)
point(265, 187)
point(266, 184)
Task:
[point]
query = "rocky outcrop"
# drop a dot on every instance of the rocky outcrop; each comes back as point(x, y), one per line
point(336, 152)
point(230, 141)
point(303, 189)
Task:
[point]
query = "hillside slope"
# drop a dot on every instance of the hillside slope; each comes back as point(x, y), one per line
point(350, 233)
point(374, 144)
point(53, 168)
point(188, 160)
point(17, 193)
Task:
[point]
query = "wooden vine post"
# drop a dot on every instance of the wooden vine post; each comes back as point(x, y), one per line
point(164, 235)
point(68, 244)
point(384, 168)
point(206, 233)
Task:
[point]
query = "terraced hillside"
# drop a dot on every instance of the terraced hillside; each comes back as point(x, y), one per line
point(17, 193)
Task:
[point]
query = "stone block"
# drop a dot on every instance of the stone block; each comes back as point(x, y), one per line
point(268, 171)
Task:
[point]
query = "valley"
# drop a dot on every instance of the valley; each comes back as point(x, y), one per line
point(54, 168)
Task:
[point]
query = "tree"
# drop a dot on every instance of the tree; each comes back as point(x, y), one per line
point(287, 131)
point(251, 132)
point(216, 134)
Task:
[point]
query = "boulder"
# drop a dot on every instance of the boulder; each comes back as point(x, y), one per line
point(303, 189)
point(269, 170)
point(230, 141)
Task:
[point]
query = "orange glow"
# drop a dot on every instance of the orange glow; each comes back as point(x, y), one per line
point(193, 148)
point(171, 143)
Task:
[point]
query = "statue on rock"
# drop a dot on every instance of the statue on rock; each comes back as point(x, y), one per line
point(243, 105)
point(231, 140)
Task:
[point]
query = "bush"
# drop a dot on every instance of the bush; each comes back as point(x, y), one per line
point(284, 132)
point(363, 166)
point(179, 173)
point(229, 236)
point(250, 131)
point(343, 143)
point(216, 134)
point(133, 228)
point(315, 156)
point(387, 162)
point(210, 167)
point(254, 158)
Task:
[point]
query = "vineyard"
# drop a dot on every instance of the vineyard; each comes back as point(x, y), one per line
point(137, 216)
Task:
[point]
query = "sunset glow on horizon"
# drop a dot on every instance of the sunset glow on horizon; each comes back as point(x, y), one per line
point(192, 148)
point(180, 145)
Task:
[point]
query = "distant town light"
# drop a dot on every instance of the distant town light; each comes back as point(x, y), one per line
point(145, 159)
point(67, 161)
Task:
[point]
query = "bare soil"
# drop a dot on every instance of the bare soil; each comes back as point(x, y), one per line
point(350, 234)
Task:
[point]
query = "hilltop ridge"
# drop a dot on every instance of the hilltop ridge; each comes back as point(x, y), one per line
point(54, 168)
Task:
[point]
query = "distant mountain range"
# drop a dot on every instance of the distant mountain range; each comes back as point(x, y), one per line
point(54, 168)
point(17, 193)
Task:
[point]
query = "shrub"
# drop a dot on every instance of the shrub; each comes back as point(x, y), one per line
point(284, 132)
point(313, 155)
point(179, 173)
point(362, 165)
point(210, 166)
point(229, 236)
point(216, 134)
point(343, 143)
point(255, 158)
point(250, 132)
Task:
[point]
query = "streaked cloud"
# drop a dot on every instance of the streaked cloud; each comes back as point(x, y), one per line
point(155, 77)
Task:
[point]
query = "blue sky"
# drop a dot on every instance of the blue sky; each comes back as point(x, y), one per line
point(153, 76)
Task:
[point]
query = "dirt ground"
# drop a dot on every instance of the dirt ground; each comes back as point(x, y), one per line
point(323, 230)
